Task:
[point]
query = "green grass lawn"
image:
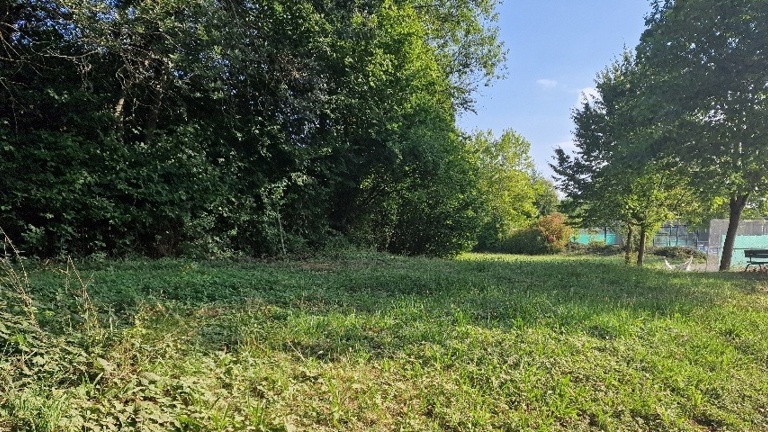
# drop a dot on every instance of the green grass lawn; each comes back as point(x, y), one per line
point(365, 342)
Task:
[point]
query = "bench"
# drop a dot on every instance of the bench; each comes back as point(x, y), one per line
point(758, 257)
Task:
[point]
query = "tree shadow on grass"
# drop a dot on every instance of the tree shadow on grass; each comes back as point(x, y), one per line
point(397, 303)
point(465, 319)
point(412, 300)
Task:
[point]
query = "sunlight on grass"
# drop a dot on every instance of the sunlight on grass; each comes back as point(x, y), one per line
point(375, 342)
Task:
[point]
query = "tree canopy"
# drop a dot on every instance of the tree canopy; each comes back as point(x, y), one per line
point(603, 182)
point(706, 64)
point(513, 193)
point(685, 112)
point(199, 126)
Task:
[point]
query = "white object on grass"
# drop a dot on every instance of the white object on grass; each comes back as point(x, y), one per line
point(686, 266)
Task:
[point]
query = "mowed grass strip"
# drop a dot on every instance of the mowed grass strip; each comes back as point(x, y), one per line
point(365, 341)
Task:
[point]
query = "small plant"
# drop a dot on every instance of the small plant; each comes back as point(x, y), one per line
point(34, 354)
point(595, 247)
point(14, 277)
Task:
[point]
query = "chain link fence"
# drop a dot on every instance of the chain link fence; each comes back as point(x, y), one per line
point(672, 235)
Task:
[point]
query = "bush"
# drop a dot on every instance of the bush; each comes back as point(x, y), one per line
point(595, 248)
point(549, 235)
point(526, 241)
point(679, 252)
point(555, 232)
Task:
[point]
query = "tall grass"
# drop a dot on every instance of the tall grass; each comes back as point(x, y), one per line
point(364, 341)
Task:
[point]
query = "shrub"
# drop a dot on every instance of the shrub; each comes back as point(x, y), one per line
point(549, 235)
point(526, 241)
point(679, 252)
point(555, 232)
point(594, 248)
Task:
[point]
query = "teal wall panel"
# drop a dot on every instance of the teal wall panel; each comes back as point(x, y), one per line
point(744, 242)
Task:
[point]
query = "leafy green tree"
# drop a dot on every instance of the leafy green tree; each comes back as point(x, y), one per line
point(508, 184)
point(466, 42)
point(546, 198)
point(605, 184)
point(706, 62)
point(254, 126)
point(120, 163)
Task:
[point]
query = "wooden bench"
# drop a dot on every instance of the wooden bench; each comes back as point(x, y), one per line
point(758, 257)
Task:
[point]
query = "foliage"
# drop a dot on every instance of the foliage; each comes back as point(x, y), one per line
point(438, 213)
point(594, 248)
point(603, 180)
point(511, 190)
point(370, 342)
point(555, 231)
point(526, 241)
point(550, 234)
point(706, 89)
point(546, 199)
point(679, 252)
point(262, 127)
point(756, 208)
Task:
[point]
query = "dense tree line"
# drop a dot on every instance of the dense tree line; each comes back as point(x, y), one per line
point(262, 127)
point(678, 129)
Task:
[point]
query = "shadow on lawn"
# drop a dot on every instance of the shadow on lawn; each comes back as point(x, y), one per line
point(377, 306)
point(381, 309)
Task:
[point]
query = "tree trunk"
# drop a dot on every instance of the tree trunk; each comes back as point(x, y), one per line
point(641, 247)
point(628, 245)
point(734, 217)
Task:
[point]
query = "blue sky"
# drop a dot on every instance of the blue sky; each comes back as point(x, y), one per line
point(555, 50)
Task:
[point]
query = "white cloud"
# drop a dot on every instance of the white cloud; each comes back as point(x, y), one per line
point(547, 83)
point(588, 94)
